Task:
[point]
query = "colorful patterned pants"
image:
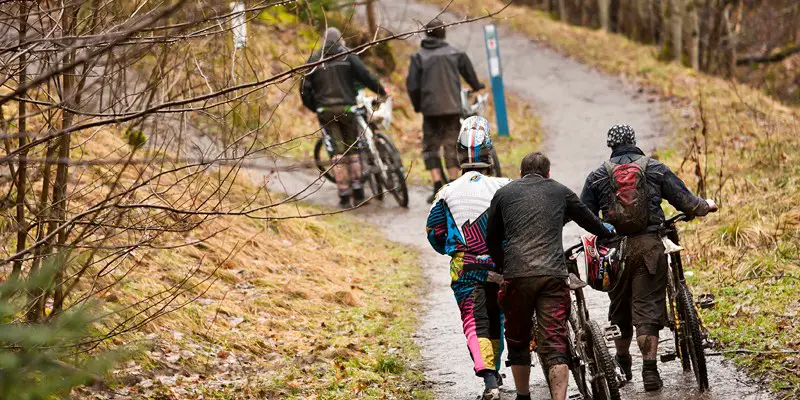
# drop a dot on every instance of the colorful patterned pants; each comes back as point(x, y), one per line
point(482, 321)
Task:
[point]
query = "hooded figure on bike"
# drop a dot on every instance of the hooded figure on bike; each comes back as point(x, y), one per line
point(434, 85)
point(329, 90)
point(457, 227)
point(626, 191)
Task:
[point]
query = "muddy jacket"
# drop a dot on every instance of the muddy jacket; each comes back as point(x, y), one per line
point(434, 78)
point(333, 83)
point(662, 183)
point(457, 224)
point(525, 225)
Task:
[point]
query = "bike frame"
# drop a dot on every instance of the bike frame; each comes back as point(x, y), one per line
point(675, 280)
point(369, 139)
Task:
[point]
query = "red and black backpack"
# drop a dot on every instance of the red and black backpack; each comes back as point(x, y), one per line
point(628, 208)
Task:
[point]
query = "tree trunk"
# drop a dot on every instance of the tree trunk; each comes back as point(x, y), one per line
point(22, 170)
point(603, 6)
point(708, 61)
point(68, 20)
point(372, 17)
point(693, 34)
point(562, 10)
point(676, 23)
point(613, 15)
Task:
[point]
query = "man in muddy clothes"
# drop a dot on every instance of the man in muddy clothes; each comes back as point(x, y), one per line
point(457, 227)
point(434, 85)
point(639, 298)
point(526, 220)
point(329, 90)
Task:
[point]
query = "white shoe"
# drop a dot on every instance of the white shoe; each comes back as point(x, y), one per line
point(491, 394)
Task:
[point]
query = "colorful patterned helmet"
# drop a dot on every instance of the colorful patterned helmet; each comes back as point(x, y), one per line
point(474, 144)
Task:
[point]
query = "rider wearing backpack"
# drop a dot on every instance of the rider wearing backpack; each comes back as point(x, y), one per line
point(626, 191)
point(457, 227)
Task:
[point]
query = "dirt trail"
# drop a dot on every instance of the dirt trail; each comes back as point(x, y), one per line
point(577, 105)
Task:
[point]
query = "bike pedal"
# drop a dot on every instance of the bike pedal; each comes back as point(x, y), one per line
point(668, 357)
point(575, 396)
point(706, 300)
point(612, 333)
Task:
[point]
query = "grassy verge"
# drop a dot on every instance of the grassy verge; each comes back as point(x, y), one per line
point(732, 143)
point(255, 308)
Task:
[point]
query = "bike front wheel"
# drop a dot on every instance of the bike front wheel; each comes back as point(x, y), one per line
point(605, 385)
point(395, 177)
point(693, 338)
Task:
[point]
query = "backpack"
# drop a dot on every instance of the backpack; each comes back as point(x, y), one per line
point(628, 209)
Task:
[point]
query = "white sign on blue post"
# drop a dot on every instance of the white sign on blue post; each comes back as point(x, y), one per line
point(496, 75)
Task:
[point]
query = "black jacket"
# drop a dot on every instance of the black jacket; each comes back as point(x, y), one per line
point(526, 220)
point(333, 83)
point(662, 183)
point(434, 78)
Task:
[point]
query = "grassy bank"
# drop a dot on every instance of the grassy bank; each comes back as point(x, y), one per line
point(732, 143)
point(268, 308)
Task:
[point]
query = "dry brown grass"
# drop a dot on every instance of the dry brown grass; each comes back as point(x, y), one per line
point(289, 308)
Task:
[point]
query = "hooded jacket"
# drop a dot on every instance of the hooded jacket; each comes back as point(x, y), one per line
point(434, 78)
point(333, 83)
point(662, 183)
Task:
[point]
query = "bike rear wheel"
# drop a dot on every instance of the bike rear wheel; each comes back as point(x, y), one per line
point(605, 385)
point(496, 169)
point(693, 338)
point(395, 181)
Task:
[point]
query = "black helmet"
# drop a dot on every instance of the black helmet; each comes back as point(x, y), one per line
point(474, 144)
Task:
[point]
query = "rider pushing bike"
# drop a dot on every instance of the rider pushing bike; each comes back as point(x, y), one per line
point(524, 232)
point(626, 191)
point(330, 91)
point(457, 227)
point(434, 85)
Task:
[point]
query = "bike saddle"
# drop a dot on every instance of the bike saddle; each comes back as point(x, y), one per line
point(576, 283)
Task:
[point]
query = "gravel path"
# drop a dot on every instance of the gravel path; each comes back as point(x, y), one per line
point(577, 105)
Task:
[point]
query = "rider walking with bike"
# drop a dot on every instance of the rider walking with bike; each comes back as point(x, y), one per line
point(330, 91)
point(526, 220)
point(434, 85)
point(457, 227)
point(626, 191)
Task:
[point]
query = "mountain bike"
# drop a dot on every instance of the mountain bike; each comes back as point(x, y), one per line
point(593, 368)
point(478, 107)
point(689, 333)
point(381, 163)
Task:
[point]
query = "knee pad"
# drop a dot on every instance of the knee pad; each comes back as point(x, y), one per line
point(518, 355)
point(552, 359)
point(338, 162)
point(647, 330)
point(432, 160)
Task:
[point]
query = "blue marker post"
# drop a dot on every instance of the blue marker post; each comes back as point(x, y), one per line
point(496, 74)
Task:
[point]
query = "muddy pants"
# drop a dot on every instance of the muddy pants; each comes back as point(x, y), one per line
point(548, 298)
point(440, 132)
point(482, 322)
point(640, 296)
